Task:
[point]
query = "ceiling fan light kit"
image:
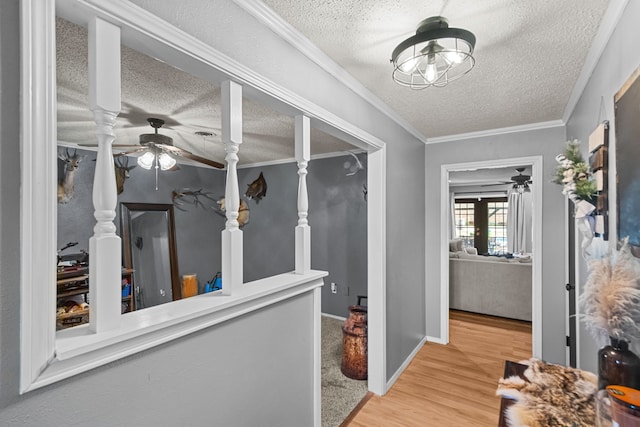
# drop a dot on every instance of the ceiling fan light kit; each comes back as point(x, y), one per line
point(521, 182)
point(434, 56)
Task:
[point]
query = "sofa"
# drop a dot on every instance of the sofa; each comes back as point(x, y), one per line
point(497, 286)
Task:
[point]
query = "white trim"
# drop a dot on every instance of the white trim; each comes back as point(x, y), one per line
point(38, 207)
point(605, 30)
point(536, 273)
point(497, 131)
point(155, 37)
point(377, 271)
point(333, 316)
point(282, 28)
point(78, 350)
point(445, 214)
point(317, 357)
point(406, 363)
point(293, 160)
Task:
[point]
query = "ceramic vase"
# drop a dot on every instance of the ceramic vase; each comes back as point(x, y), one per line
point(617, 365)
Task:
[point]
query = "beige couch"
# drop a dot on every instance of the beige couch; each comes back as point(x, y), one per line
point(490, 285)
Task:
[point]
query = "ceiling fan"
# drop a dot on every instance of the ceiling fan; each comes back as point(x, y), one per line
point(158, 150)
point(521, 182)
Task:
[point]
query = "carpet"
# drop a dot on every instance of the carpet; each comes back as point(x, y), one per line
point(340, 395)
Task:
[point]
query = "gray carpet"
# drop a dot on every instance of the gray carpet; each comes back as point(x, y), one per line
point(340, 395)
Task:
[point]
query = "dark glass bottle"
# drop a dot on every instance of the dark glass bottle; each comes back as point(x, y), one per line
point(617, 365)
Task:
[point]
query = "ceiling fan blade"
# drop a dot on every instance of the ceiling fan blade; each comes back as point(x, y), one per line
point(187, 155)
point(126, 153)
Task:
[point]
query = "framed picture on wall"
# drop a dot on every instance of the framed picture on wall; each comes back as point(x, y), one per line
point(627, 112)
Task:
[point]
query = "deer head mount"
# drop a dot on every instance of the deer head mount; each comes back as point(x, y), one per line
point(71, 164)
point(122, 169)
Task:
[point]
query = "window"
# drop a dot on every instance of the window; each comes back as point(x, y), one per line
point(464, 214)
point(482, 224)
point(497, 226)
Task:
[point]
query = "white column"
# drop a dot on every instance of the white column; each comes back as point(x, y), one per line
point(303, 231)
point(232, 138)
point(105, 260)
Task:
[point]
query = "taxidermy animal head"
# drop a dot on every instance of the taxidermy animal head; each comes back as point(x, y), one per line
point(65, 185)
point(243, 211)
point(122, 169)
point(257, 189)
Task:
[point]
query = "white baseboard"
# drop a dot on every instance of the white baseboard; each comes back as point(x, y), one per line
point(333, 316)
point(402, 367)
point(436, 340)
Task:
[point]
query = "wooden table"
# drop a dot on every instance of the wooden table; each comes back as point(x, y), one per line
point(510, 369)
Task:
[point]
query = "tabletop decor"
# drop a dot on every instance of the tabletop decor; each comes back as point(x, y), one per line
point(610, 305)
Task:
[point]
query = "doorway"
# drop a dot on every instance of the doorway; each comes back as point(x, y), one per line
point(536, 289)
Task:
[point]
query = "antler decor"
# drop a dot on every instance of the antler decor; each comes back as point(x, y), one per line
point(193, 196)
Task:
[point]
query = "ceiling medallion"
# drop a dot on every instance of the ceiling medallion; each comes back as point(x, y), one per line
point(435, 56)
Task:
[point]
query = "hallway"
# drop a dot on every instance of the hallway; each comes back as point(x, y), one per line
point(452, 385)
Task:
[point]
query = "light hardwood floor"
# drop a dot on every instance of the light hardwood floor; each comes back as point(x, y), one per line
point(452, 385)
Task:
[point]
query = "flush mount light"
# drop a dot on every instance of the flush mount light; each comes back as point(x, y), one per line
point(435, 56)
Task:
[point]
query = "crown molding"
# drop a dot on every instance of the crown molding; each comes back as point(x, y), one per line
point(283, 29)
point(498, 131)
point(605, 30)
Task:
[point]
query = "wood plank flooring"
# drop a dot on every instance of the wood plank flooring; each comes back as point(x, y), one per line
point(452, 385)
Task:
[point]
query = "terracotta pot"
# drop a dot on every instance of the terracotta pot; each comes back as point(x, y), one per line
point(354, 344)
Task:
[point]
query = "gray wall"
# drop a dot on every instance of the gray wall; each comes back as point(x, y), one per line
point(197, 229)
point(338, 220)
point(545, 142)
point(337, 215)
point(619, 60)
point(137, 385)
point(226, 29)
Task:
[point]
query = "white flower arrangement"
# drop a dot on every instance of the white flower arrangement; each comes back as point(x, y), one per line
point(574, 174)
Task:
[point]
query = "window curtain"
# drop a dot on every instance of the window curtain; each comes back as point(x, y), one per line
point(452, 215)
point(516, 228)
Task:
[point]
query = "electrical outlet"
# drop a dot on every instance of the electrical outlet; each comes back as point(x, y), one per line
point(334, 288)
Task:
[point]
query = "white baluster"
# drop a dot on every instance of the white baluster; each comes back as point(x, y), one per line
point(232, 235)
point(104, 247)
point(303, 231)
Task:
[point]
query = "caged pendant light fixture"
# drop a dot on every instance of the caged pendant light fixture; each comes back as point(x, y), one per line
point(434, 56)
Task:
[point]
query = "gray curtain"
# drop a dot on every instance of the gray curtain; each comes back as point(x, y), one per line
point(516, 227)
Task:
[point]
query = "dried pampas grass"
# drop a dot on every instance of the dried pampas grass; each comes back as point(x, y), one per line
point(611, 297)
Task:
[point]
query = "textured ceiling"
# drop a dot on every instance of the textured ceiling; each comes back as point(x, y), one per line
point(528, 55)
point(151, 88)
